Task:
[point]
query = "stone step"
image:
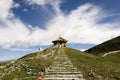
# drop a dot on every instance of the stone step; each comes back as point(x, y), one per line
point(55, 78)
point(62, 69)
point(58, 62)
point(63, 65)
point(67, 70)
point(63, 73)
point(65, 76)
point(60, 65)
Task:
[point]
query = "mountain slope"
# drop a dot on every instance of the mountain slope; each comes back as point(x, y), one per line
point(32, 65)
point(110, 45)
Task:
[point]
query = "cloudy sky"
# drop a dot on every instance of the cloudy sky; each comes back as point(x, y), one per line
point(26, 25)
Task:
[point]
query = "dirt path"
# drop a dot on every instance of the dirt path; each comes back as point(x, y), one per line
point(110, 53)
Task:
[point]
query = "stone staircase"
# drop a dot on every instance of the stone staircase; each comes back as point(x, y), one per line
point(62, 69)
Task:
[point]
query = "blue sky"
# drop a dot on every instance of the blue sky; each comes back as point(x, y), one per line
point(26, 25)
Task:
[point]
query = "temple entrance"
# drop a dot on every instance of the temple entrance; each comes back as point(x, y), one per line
point(59, 42)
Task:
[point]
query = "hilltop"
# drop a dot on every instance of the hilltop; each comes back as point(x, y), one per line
point(62, 62)
point(110, 45)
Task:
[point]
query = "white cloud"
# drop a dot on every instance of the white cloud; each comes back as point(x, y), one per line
point(5, 9)
point(79, 26)
point(39, 2)
point(20, 49)
point(82, 49)
point(43, 2)
point(13, 31)
point(16, 5)
point(25, 10)
point(54, 3)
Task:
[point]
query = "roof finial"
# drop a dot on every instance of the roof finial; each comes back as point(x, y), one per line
point(59, 35)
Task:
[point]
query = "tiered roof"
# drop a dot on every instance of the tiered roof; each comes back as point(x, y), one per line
point(60, 39)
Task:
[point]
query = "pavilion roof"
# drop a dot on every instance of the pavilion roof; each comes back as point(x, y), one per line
point(60, 39)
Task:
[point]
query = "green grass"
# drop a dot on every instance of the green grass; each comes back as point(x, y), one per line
point(86, 62)
point(113, 58)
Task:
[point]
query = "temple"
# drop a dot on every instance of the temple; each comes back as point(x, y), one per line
point(59, 42)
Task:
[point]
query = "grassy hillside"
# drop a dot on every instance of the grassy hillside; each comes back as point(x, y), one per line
point(92, 67)
point(27, 67)
point(110, 45)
